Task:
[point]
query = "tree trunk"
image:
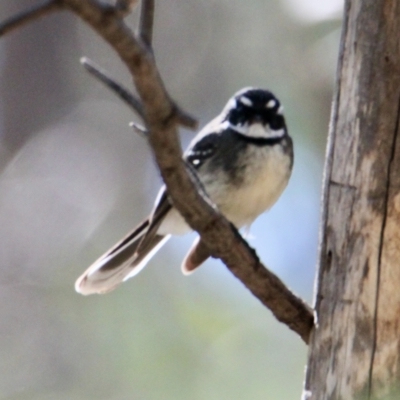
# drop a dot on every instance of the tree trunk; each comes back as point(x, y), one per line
point(355, 348)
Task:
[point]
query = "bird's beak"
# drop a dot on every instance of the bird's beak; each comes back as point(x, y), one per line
point(257, 119)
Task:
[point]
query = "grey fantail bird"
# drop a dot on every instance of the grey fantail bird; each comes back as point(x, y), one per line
point(243, 159)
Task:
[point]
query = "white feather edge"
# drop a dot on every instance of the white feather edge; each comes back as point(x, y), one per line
point(93, 280)
point(147, 258)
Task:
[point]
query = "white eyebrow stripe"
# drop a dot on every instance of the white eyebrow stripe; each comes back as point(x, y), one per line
point(271, 103)
point(246, 101)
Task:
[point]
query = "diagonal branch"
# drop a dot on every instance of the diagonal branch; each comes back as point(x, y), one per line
point(162, 118)
point(29, 15)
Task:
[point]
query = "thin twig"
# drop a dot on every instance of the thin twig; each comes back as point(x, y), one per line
point(29, 16)
point(125, 6)
point(136, 57)
point(146, 22)
point(123, 93)
point(139, 129)
point(115, 86)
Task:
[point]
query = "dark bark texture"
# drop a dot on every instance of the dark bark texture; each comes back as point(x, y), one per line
point(355, 347)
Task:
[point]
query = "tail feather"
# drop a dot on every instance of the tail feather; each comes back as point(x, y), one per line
point(121, 262)
point(197, 254)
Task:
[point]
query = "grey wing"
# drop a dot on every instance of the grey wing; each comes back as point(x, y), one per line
point(202, 150)
point(129, 256)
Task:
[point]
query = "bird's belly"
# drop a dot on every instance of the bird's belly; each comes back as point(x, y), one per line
point(265, 179)
point(249, 203)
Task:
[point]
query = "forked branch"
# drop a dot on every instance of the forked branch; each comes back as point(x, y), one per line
point(162, 117)
point(125, 6)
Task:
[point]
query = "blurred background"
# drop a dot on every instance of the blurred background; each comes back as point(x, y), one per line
point(74, 179)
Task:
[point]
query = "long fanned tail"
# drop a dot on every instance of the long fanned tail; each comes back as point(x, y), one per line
point(124, 260)
point(129, 256)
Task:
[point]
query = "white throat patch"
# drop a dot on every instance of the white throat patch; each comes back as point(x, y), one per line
point(257, 131)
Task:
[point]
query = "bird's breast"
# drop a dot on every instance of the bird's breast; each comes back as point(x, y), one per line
point(264, 174)
point(261, 179)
